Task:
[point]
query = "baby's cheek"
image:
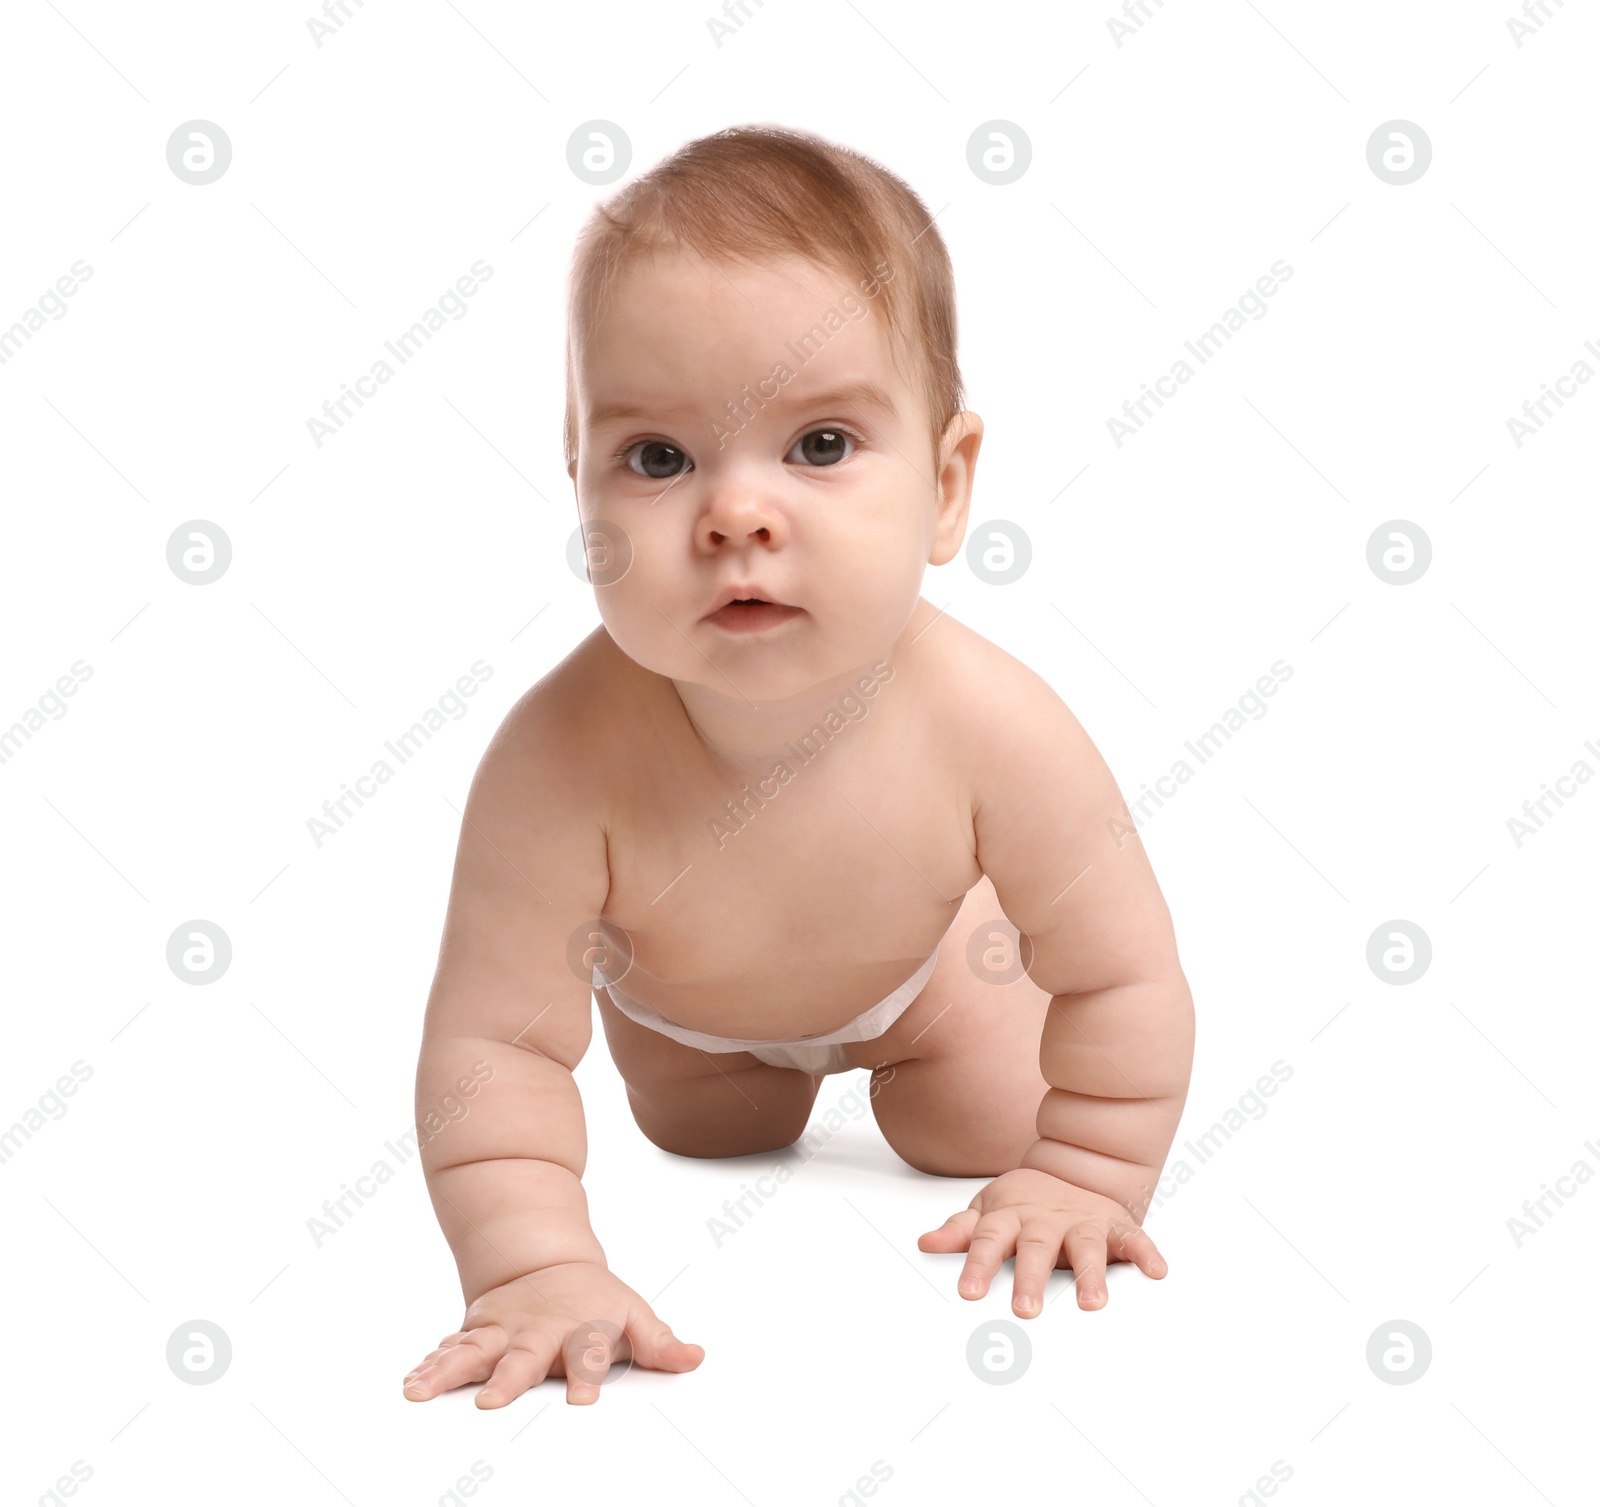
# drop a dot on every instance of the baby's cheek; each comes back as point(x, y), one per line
point(649, 627)
point(623, 611)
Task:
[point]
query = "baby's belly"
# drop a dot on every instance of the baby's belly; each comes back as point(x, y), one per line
point(822, 901)
point(748, 972)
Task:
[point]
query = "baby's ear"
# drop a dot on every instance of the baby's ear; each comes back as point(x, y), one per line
point(572, 468)
point(959, 458)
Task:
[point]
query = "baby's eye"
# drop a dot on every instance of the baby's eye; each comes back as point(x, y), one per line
point(823, 447)
point(656, 459)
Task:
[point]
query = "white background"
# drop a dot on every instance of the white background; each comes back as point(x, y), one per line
point(368, 574)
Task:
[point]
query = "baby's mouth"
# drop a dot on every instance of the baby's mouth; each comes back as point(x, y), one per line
point(751, 615)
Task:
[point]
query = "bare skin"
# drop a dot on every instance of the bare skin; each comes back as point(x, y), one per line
point(956, 793)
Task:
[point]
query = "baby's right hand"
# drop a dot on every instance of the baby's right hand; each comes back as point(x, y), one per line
point(541, 1325)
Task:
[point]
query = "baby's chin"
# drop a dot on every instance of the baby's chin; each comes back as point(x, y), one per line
point(763, 667)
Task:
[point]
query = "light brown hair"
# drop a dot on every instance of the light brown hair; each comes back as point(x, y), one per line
point(755, 192)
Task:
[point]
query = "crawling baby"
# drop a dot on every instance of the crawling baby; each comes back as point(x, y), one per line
point(781, 815)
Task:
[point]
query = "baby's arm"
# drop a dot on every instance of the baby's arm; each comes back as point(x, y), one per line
point(505, 1178)
point(1118, 1042)
point(1056, 839)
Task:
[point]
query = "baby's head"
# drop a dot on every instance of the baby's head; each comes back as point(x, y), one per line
point(763, 398)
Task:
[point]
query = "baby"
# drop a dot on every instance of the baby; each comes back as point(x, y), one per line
point(782, 816)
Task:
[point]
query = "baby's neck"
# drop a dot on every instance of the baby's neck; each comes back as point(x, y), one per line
point(748, 734)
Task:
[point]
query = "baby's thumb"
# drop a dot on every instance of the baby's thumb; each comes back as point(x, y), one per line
point(655, 1345)
point(955, 1234)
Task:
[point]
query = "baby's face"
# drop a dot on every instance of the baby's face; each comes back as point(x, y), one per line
point(826, 501)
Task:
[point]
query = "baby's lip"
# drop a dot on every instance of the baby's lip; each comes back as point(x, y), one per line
point(744, 594)
point(751, 617)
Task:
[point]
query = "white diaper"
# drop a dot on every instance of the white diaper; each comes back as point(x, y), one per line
point(810, 1054)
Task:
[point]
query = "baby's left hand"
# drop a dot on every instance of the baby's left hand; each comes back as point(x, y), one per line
point(1047, 1223)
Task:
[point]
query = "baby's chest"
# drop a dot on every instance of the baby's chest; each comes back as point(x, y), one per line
point(717, 877)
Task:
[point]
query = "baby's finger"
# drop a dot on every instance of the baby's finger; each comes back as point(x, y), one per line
point(471, 1360)
point(445, 1344)
point(587, 1357)
point(994, 1239)
point(1038, 1248)
point(1086, 1253)
point(952, 1235)
point(525, 1364)
point(655, 1345)
point(1130, 1243)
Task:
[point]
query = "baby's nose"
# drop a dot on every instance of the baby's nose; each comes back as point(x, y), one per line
point(741, 514)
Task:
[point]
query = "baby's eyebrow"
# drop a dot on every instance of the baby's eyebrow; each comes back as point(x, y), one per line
point(606, 413)
point(856, 394)
point(863, 394)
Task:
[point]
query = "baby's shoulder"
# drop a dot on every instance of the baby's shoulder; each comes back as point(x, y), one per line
point(977, 678)
point(996, 710)
point(563, 730)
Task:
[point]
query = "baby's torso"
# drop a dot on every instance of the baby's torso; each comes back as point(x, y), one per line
point(782, 897)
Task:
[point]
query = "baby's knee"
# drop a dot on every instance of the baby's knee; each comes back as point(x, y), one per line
point(699, 1142)
point(948, 1162)
point(712, 1129)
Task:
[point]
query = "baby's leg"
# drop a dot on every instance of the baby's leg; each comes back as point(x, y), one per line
point(963, 1097)
point(696, 1103)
